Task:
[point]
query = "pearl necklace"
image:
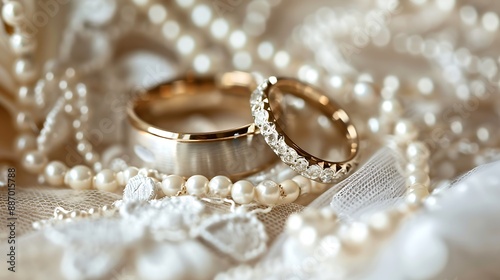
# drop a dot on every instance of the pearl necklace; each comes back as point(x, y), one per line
point(23, 46)
point(81, 177)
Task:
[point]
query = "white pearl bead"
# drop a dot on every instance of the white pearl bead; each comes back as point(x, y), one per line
point(308, 235)
point(34, 161)
point(197, 185)
point(417, 150)
point(419, 177)
point(172, 185)
point(24, 122)
point(364, 93)
point(414, 198)
point(237, 39)
point(21, 44)
point(485, 134)
point(391, 109)
point(26, 97)
point(220, 186)
point(304, 184)
point(79, 177)
point(294, 223)
point(219, 28)
point(84, 147)
point(281, 59)
point(24, 142)
point(186, 45)
point(355, 235)
point(91, 157)
point(12, 12)
point(291, 191)
point(267, 193)
point(122, 177)
point(105, 180)
point(243, 192)
point(54, 173)
point(381, 222)
point(25, 70)
point(201, 15)
point(420, 166)
point(405, 130)
point(317, 187)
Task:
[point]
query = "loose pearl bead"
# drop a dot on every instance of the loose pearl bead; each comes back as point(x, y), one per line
point(21, 44)
point(220, 186)
point(197, 185)
point(105, 180)
point(291, 191)
point(123, 176)
point(34, 161)
point(54, 173)
point(24, 69)
point(243, 192)
point(24, 122)
point(79, 178)
point(267, 193)
point(12, 12)
point(304, 184)
point(25, 142)
point(418, 177)
point(172, 185)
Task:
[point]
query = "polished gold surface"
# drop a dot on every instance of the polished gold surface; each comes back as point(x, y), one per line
point(160, 135)
point(312, 134)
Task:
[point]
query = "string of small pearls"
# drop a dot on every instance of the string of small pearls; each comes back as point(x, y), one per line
point(452, 60)
point(267, 192)
point(82, 177)
point(220, 29)
point(23, 46)
point(315, 227)
point(62, 215)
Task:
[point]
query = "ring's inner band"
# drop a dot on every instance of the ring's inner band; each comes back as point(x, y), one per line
point(198, 106)
point(313, 122)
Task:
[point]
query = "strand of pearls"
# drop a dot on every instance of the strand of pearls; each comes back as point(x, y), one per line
point(346, 244)
point(56, 173)
point(62, 215)
point(450, 59)
point(267, 192)
point(314, 227)
point(23, 46)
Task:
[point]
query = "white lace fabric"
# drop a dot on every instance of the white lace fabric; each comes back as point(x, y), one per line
point(37, 203)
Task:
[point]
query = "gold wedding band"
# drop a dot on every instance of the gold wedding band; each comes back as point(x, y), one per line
point(233, 151)
point(265, 102)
